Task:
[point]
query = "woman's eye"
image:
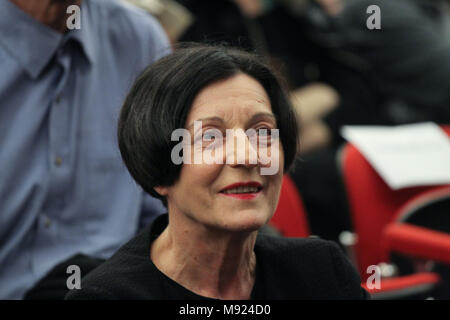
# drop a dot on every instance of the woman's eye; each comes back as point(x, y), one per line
point(209, 136)
point(264, 132)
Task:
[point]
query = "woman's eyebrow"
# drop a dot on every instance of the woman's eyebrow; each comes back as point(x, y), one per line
point(255, 118)
point(206, 119)
point(262, 116)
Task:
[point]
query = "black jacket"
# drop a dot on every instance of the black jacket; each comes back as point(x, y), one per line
point(286, 269)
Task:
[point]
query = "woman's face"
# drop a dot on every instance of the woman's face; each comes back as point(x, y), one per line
point(206, 193)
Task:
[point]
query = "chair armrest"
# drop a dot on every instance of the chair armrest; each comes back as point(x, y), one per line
point(417, 242)
point(405, 287)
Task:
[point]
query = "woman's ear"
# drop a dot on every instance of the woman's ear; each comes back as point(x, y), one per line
point(162, 191)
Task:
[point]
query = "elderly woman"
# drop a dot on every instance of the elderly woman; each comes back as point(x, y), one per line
point(208, 246)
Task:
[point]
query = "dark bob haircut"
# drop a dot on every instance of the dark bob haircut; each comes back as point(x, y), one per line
point(161, 98)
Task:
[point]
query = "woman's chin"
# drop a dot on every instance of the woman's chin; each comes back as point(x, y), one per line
point(245, 222)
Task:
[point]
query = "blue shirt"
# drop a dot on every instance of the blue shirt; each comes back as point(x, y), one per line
point(63, 186)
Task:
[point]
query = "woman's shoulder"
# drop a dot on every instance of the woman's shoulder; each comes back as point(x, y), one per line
point(309, 268)
point(312, 247)
point(311, 252)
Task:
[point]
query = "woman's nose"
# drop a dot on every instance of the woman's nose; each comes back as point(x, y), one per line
point(241, 150)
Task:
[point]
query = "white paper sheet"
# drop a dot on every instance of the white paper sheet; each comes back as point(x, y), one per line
point(404, 156)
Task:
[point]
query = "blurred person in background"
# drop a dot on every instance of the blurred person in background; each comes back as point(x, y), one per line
point(174, 18)
point(405, 65)
point(64, 193)
point(406, 61)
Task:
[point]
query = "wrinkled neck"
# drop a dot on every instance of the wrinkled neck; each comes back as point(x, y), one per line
point(210, 263)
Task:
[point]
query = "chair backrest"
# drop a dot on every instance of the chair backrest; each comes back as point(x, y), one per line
point(430, 209)
point(290, 216)
point(372, 204)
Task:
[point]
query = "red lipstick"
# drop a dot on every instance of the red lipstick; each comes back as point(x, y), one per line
point(243, 195)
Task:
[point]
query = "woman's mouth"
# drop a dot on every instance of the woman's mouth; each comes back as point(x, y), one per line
point(245, 190)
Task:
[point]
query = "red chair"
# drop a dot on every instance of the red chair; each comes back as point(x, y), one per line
point(375, 210)
point(290, 219)
point(425, 243)
point(372, 204)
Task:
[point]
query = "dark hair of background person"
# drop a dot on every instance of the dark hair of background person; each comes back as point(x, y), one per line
point(161, 98)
